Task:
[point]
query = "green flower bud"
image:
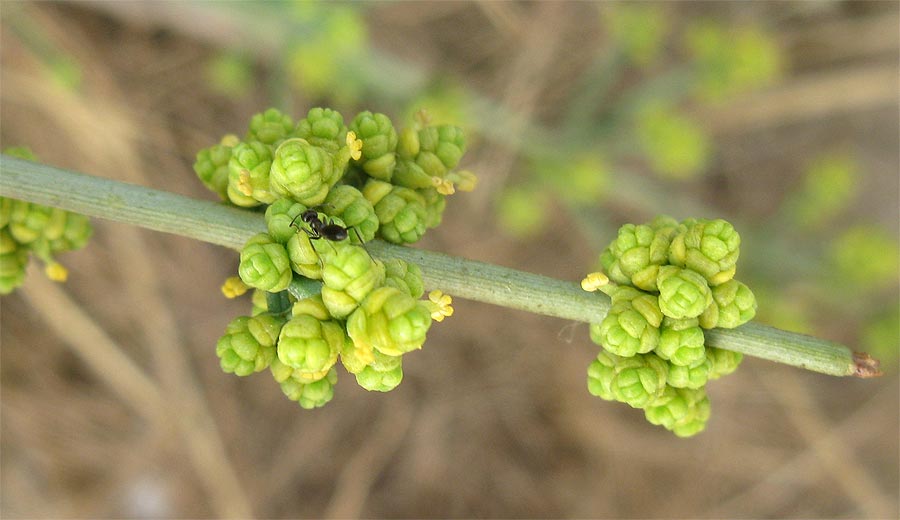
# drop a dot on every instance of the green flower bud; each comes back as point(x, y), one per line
point(248, 345)
point(709, 247)
point(308, 394)
point(27, 221)
point(404, 276)
point(259, 302)
point(248, 174)
point(625, 331)
point(379, 144)
point(211, 168)
point(640, 250)
point(723, 361)
point(410, 175)
point(609, 263)
point(6, 206)
point(735, 304)
point(304, 255)
point(440, 149)
point(323, 127)
point(408, 144)
point(270, 127)
point(302, 171)
point(265, 264)
point(355, 357)
point(679, 344)
point(389, 321)
point(601, 372)
point(310, 346)
point(76, 231)
point(13, 260)
point(689, 376)
point(682, 292)
point(355, 210)
point(400, 211)
point(640, 380)
point(434, 206)
point(380, 381)
point(312, 306)
point(681, 410)
point(349, 276)
point(280, 216)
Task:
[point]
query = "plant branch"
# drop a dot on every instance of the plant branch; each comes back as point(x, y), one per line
point(232, 227)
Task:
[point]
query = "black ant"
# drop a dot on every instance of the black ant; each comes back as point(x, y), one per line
point(326, 229)
point(321, 229)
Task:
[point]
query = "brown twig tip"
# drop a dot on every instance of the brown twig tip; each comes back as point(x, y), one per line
point(865, 365)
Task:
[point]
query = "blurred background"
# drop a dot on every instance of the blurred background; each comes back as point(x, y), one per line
point(781, 117)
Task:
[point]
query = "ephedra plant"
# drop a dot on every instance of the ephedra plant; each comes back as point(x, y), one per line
point(322, 211)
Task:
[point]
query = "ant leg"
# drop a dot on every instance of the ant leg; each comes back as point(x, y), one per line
point(362, 243)
point(295, 220)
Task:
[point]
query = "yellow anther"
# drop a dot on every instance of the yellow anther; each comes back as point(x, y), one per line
point(355, 145)
point(234, 287)
point(443, 186)
point(440, 305)
point(594, 281)
point(244, 185)
point(56, 272)
point(230, 140)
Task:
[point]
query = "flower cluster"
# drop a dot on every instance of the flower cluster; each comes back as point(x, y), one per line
point(27, 228)
point(319, 295)
point(670, 280)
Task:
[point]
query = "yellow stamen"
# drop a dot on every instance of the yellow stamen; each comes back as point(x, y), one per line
point(443, 186)
point(594, 281)
point(355, 145)
point(244, 183)
point(56, 272)
point(234, 287)
point(440, 305)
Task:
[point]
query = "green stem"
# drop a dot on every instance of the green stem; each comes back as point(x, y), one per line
point(231, 227)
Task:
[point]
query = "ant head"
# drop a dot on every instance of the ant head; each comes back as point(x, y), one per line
point(309, 215)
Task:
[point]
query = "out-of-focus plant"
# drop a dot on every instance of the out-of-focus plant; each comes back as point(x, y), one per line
point(639, 29)
point(731, 60)
point(230, 74)
point(61, 66)
point(829, 186)
point(674, 145)
point(865, 257)
point(320, 60)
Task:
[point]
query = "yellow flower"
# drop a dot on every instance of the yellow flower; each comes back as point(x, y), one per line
point(233, 287)
point(355, 145)
point(443, 186)
point(56, 272)
point(594, 281)
point(440, 305)
point(244, 185)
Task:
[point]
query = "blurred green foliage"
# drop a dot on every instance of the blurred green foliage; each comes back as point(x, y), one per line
point(675, 146)
point(230, 74)
point(865, 257)
point(829, 186)
point(731, 60)
point(639, 29)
